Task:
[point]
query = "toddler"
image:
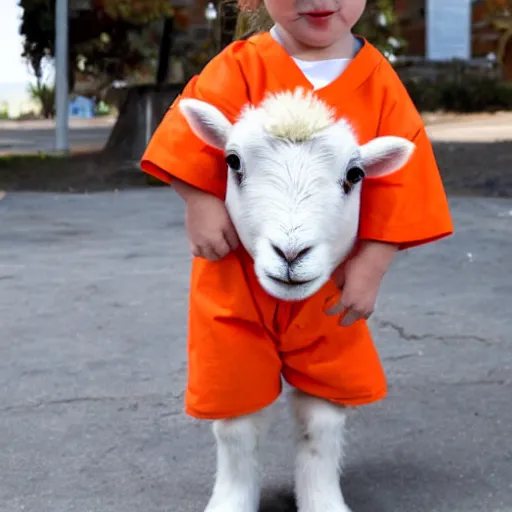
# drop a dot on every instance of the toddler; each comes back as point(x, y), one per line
point(241, 341)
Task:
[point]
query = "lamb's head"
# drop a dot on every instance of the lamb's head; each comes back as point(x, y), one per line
point(294, 184)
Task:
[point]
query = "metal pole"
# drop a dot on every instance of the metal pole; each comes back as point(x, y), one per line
point(61, 75)
point(148, 118)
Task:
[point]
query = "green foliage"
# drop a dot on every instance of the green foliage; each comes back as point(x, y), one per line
point(38, 28)
point(113, 40)
point(138, 11)
point(102, 109)
point(9, 161)
point(455, 87)
point(4, 111)
point(45, 95)
point(380, 26)
point(473, 96)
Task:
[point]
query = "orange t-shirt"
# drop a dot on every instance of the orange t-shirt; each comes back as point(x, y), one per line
point(408, 207)
point(241, 340)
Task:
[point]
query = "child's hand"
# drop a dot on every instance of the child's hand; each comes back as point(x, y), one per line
point(359, 289)
point(359, 280)
point(210, 230)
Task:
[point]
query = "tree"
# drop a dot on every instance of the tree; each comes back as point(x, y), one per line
point(499, 14)
point(112, 40)
point(38, 21)
point(38, 27)
point(228, 13)
point(247, 22)
point(380, 26)
point(137, 11)
point(45, 95)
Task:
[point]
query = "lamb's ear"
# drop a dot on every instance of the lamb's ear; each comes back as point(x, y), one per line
point(385, 155)
point(206, 121)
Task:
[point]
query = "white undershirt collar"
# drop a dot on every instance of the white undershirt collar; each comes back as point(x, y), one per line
point(320, 72)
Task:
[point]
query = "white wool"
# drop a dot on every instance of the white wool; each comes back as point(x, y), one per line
point(290, 201)
point(295, 115)
point(319, 444)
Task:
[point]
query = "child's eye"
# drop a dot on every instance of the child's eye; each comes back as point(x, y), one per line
point(234, 162)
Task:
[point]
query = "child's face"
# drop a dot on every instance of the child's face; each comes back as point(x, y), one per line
point(316, 23)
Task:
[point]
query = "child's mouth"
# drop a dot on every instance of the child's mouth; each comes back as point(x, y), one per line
point(319, 14)
point(319, 19)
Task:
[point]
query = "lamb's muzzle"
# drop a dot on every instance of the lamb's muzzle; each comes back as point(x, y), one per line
point(290, 256)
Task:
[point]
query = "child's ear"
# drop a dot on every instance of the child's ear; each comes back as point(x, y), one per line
point(385, 155)
point(206, 121)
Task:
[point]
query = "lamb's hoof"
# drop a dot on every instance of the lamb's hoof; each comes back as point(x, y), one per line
point(241, 503)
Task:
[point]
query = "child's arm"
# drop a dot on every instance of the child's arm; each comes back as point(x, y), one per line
point(197, 172)
point(210, 230)
point(359, 280)
point(399, 211)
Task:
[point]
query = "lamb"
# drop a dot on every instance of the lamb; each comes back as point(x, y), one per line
point(294, 179)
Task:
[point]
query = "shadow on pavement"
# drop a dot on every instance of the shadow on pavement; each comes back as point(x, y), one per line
point(389, 487)
point(278, 500)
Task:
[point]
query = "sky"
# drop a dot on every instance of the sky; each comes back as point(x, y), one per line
point(13, 69)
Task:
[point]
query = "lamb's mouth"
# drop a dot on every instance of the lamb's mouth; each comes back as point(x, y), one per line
point(290, 282)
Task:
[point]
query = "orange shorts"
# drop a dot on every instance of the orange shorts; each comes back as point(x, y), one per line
point(241, 342)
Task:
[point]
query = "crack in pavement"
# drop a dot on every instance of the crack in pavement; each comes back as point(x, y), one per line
point(401, 357)
point(86, 399)
point(481, 382)
point(418, 337)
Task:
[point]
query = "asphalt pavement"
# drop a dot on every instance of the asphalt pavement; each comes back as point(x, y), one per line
point(93, 303)
point(39, 136)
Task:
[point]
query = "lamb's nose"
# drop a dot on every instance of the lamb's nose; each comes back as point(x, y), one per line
point(291, 256)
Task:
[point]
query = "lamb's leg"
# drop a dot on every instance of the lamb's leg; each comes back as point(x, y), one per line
point(320, 429)
point(237, 484)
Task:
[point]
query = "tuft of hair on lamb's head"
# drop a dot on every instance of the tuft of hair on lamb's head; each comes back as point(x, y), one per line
point(294, 178)
point(295, 115)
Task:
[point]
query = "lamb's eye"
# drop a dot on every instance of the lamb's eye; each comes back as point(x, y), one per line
point(354, 175)
point(234, 161)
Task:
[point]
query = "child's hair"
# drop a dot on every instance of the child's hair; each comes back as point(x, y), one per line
point(249, 5)
point(253, 18)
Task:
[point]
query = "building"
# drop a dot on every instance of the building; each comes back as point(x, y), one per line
point(465, 25)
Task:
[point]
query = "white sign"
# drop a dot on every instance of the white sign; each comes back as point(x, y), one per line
point(448, 29)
